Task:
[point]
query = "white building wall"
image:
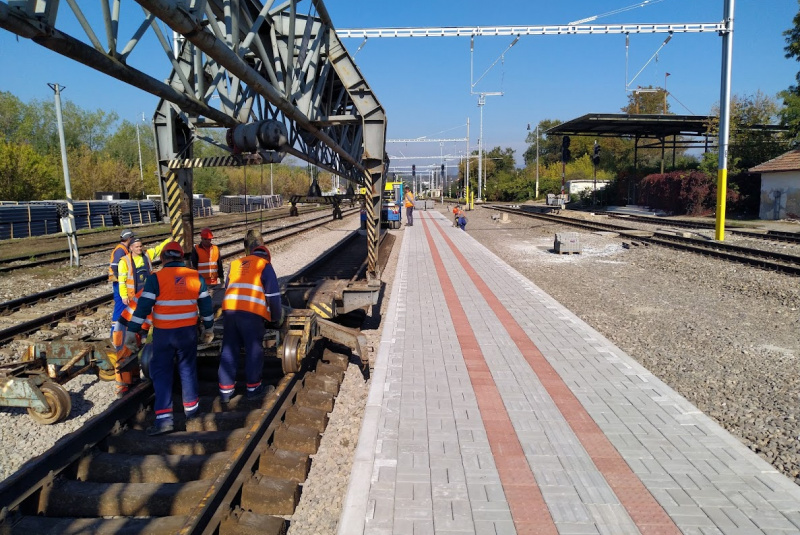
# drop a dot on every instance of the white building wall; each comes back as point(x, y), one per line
point(780, 195)
point(574, 187)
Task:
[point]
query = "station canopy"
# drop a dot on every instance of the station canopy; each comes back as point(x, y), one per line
point(646, 126)
point(630, 125)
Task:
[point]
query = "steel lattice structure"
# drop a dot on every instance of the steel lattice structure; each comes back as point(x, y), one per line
point(257, 61)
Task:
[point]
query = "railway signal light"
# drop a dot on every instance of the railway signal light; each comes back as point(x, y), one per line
point(565, 154)
point(413, 170)
point(596, 155)
point(442, 169)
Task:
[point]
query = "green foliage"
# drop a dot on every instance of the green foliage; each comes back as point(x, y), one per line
point(749, 146)
point(647, 100)
point(26, 175)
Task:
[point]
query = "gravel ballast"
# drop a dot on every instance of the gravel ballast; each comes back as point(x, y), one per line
point(721, 334)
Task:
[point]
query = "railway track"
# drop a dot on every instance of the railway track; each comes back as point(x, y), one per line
point(15, 321)
point(236, 469)
point(232, 470)
point(771, 235)
point(769, 260)
point(57, 255)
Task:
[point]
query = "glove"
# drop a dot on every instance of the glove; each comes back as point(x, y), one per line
point(132, 341)
point(206, 335)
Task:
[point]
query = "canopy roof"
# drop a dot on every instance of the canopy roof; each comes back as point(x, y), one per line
point(640, 125)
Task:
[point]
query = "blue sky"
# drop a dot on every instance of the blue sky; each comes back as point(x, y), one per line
point(424, 83)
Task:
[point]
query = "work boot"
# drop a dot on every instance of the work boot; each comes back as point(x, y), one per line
point(259, 392)
point(160, 429)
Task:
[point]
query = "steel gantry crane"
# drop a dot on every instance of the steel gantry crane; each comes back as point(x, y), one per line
point(282, 82)
point(724, 29)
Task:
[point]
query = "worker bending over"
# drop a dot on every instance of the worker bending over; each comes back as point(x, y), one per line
point(125, 360)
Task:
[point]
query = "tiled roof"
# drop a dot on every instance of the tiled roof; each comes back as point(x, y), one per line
point(789, 161)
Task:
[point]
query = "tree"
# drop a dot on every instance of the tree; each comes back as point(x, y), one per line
point(750, 146)
point(26, 175)
point(790, 114)
point(646, 100)
point(549, 146)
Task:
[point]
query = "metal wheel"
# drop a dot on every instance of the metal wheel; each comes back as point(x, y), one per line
point(290, 359)
point(145, 356)
point(58, 401)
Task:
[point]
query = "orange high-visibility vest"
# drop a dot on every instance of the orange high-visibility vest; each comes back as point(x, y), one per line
point(113, 265)
point(207, 260)
point(245, 291)
point(409, 199)
point(176, 303)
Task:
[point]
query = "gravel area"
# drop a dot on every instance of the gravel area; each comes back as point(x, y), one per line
point(723, 335)
point(21, 439)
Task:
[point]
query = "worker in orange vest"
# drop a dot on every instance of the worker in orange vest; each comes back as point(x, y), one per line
point(175, 295)
point(113, 272)
point(125, 360)
point(408, 201)
point(207, 260)
point(252, 297)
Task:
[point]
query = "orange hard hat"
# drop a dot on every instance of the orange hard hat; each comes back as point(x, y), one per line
point(206, 234)
point(172, 250)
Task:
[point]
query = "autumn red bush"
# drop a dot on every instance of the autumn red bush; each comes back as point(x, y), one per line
point(681, 192)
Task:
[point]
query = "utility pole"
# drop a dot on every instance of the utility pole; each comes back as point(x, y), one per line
point(537, 163)
point(139, 144)
point(67, 223)
point(466, 174)
point(724, 119)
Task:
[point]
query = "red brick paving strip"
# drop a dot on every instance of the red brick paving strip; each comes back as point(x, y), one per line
point(645, 511)
point(528, 510)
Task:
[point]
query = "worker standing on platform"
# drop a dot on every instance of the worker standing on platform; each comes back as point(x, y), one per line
point(252, 297)
point(207, 260)
point(113, 272)
point(135, 267)
point(174, 294)
point(408, 201)
point(456, 210)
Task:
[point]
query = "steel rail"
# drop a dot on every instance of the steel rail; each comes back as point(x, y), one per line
point(771, 235)
point(726, 251)
point(224, 489)
point(23, 483)
point(31, 326)
point(104, 245)
point(15, 304)
point(206, 515)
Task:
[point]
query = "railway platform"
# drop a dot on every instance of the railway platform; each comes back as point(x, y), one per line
point(493, 409)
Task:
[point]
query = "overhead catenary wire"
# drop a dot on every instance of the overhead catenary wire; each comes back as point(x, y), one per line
point(615, 11)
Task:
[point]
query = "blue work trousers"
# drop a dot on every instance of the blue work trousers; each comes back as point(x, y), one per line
point(409, 215)
point(119, 306)
point(242, 329)
point(169, 344)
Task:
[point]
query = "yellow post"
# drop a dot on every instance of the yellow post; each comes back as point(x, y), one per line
point(722, 188)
